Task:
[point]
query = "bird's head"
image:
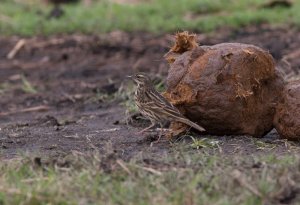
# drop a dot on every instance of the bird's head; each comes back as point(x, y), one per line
point(141, 79)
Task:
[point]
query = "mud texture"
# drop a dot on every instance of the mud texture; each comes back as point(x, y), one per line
point(287, 118)
point(228, 88)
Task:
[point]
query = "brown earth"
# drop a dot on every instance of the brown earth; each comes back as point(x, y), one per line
point(74, 77)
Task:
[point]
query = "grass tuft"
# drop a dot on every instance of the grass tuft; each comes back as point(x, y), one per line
point(178, 178)
point(27, 86)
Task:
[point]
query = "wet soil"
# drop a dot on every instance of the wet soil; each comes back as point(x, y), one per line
point(55, 94)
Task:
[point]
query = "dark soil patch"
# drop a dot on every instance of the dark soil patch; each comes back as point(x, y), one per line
point(71, 73)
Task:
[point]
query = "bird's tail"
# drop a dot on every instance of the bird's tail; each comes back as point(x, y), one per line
point(192, 124)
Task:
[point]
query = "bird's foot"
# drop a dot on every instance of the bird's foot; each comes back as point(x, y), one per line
point(161, 133)
point(155, 141)
point(147, 128)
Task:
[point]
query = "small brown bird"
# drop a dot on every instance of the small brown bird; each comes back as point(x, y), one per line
point(154, 106)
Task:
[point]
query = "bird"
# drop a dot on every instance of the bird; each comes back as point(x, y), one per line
point(57, 11)
point(154, 106)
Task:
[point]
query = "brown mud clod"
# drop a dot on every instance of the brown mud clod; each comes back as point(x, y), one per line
point(228, 88)
point(184, 42)
point(287, 117)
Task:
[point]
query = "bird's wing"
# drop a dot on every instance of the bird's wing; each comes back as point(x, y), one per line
point(171, 113)
point(158, 103)
point(158, 98)
point(160, 106)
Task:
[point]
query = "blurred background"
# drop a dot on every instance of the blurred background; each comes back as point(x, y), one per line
point(44, 17)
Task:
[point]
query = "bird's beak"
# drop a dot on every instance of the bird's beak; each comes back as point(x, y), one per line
point(129, 76)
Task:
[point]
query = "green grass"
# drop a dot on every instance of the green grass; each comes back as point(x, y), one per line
point(153, 16)
point(182, 177)
point(27, 86)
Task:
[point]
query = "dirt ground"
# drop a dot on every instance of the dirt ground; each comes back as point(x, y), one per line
point(53, 91)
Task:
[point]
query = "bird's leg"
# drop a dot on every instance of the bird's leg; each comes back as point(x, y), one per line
point(147, 128)
point(160, 133)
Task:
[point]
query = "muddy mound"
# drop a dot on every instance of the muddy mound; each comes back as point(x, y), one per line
point(228, 88)
point(287, 117)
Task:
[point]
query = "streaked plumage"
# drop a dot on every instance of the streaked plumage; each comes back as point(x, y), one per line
point(154, 106)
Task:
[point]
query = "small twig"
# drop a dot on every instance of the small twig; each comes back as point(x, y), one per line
point(69, 97)
point(16, 49)
point(90, 142)
point(72, 136)
point(31, 109)
point(109, 130)
point(123, 166)
point(34, 179)
point(237, 175)
point(151, 170)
